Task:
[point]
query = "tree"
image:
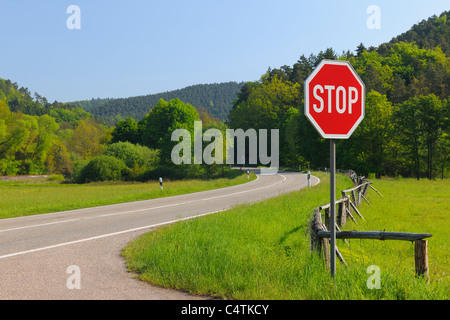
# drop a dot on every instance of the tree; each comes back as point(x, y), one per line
point(126, 131)
point(132, 154)
point(162, 120)
point(306, 145)
point(369, 148)
point(58, 160)
point(433, 122)
point(87, 139)
point(421, 122)
point(269, 105)
point(360, 49)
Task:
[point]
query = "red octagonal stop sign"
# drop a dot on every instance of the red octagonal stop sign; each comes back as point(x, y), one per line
point(334, 99)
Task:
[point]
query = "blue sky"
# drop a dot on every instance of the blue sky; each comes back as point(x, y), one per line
point(137, 47)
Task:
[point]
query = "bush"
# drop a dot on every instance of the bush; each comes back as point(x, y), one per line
point(166, 172)
point(78, 170)
point(9, 166)
point(104, 168)
point(133, 154)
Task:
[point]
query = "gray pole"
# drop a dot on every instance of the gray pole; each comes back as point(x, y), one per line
point(333, 206)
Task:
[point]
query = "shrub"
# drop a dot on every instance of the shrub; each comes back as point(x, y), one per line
point(132, 154)
point(166, 172)
point(104, 168)
point(78, 170)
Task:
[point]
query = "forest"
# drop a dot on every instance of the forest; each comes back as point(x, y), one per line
point(217, 98)
point(406, 128)
point(405, 131)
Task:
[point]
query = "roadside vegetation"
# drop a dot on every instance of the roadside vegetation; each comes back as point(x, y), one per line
point(28, 198)
point(262, 251)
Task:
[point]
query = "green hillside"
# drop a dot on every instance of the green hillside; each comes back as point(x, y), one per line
point(217, 98)
point(38, 137)
point(406, 126)
point(429, 33)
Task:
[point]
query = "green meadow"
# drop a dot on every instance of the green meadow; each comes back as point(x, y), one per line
point(262, 251)
point(28, 198)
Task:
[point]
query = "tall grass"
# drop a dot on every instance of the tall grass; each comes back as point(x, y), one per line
point(408, 205)
point(29, 198)
point(262, 251)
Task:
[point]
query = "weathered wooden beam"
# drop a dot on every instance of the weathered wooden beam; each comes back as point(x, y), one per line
point(375, 190)
point(359, 196)
point(421, 259)
point(353, 196)
point(316, 226)
point(341, 258)
point(366, 199)
point(341, 217)
point(351, 216)
point(317, 218)
point(378, 235)
point(357, 211)
point(365, 189)
point(357, 187)
point(327, 206)
point(326, 253)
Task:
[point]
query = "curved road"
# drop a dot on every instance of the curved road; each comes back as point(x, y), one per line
point(37, 252)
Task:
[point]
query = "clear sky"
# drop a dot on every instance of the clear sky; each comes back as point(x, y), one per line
point(137, 47)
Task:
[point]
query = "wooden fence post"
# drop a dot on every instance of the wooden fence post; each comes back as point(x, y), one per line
point(421, 259)
point(327, 218)
point(354, 198)
point(365, 189)
point(341, 214)
point(359, 195)
point(326, 252)
point(320, 244)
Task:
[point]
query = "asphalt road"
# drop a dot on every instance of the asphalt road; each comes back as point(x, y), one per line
point(76, 254)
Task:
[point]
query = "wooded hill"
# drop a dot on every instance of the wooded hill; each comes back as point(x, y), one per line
point(217, 98)
point(406, 127)
point(38, 137)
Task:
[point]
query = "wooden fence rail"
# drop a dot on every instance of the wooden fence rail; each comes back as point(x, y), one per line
point(378, 235)
point(351, 198)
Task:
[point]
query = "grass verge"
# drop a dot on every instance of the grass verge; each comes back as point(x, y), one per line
point(262, 251)
point(29, 198)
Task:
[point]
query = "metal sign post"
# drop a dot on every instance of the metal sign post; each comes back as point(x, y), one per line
point(333, 206)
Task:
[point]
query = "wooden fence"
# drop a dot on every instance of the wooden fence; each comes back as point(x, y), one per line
point(348, 209)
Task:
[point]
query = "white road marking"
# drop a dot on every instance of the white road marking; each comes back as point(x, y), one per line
point(119, 213)
point(128, 230)
point(140, 210)
point(104, 235)
point(124, 203)
point(39, 225)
